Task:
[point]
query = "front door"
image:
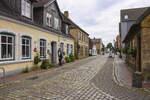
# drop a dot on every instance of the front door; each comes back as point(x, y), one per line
point(54, 52)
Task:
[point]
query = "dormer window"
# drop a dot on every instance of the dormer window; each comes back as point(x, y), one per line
point(49, 20)
point(26, 8)
point(56, 23)
point(67, 29)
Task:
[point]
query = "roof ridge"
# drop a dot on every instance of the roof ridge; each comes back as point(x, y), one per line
point(74, 23)
point(135, 8)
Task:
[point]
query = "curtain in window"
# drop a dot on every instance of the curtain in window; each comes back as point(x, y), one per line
point(42, 48)
point(26, 47)
point(7, 47)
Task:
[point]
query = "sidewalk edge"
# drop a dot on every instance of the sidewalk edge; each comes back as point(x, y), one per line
point(120, 83)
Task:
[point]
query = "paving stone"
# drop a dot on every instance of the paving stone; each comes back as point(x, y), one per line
point(73, 83)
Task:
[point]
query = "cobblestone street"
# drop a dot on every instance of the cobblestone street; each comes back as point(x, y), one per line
point(88, 79)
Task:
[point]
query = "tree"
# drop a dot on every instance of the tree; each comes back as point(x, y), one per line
point(109, 46)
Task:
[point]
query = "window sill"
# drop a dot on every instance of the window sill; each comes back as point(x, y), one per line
point(14, 62)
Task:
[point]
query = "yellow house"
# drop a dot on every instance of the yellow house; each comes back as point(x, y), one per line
point(27, 29)
point(81, 39)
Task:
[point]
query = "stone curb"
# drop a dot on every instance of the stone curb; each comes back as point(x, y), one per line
point(120, 83)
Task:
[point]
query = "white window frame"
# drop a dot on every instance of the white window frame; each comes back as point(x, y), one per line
point(49, 19)
point(68, 52)
point(79, 36)
point(67, 29)
point(71, 47)
point(13, 44)
point(26, 8)
point(30, 40)
point(56, 23)
point(43, 56)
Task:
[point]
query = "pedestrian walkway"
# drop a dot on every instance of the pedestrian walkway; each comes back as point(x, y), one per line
point(123, 72)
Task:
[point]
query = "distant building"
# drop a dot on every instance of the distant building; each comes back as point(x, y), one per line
point(118, 42)
point(81, 39)
point(95, 46)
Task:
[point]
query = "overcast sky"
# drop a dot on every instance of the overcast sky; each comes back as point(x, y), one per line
point(100, 18)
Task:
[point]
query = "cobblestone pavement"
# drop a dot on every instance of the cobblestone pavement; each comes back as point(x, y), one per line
point(104, 80)
point(72, 84)
point(89, 79)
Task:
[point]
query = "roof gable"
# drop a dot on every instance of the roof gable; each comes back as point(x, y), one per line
point(46, 3)
point(42, 3)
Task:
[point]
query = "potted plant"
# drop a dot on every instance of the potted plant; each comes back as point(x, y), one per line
point(37, 59)
point(45, 64)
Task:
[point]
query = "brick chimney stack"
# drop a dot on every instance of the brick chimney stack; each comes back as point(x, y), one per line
point(66, 13)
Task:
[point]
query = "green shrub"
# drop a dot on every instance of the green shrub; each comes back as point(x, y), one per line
point(72, 57)
point(133, 53)
point(45, 64)
point(67, 59)
point(90, 54)
point(120, 56)
point(129, 51)
point(36, 59)
point(125, 50)
point(50, 65)
point(26, 69)
point(64, 53)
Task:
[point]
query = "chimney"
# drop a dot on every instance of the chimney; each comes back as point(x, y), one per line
point(66, 13)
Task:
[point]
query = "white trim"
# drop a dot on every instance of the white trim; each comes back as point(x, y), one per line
point(49, 16)
point(15, 61)
point(24, 12)
point(31, 48)
point(46, 46)
point(15, 42)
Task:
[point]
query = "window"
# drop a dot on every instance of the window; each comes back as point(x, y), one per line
point(56, 23)
point(79, 35)
point(26, 8)
point(71, 48)
point(67, 29)
point(26, 47)
point(83, 38)
point(67, 49)
point(49, 20)
point(42, 48)
point(7, 47)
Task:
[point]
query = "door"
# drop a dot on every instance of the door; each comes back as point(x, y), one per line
point(54, 52)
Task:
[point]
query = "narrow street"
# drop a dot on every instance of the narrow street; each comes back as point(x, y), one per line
point(87, 79)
